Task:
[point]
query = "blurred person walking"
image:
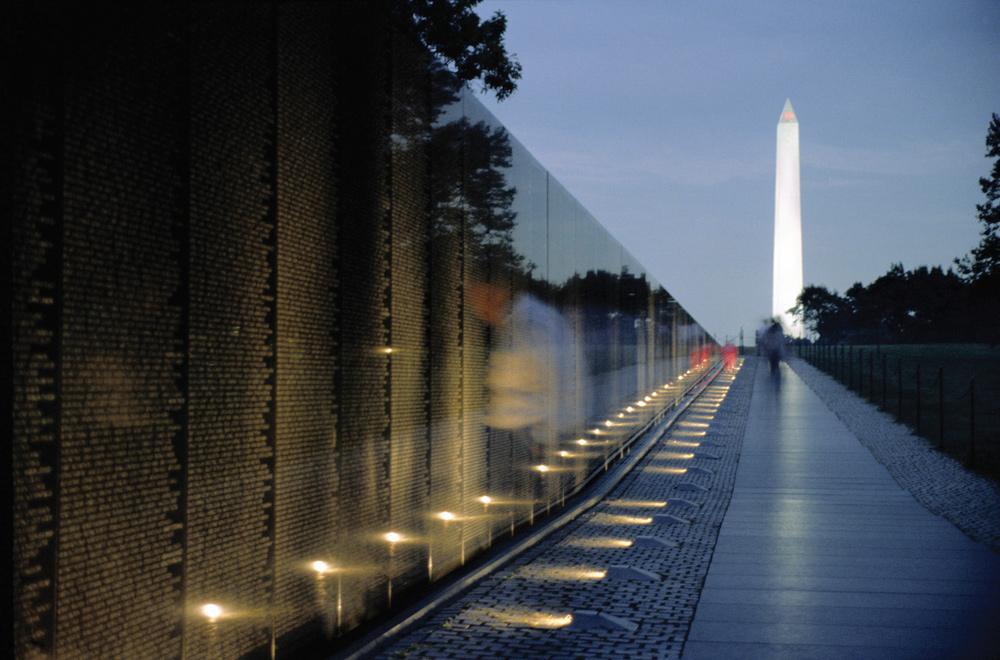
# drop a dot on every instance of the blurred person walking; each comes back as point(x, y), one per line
point(772, 344)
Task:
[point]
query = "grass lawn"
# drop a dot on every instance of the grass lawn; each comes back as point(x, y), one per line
point(862, 368)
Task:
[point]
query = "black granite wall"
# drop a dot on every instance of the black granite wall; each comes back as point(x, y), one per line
point(253, 249)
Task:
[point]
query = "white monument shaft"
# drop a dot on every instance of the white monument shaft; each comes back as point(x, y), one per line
point(787, 223)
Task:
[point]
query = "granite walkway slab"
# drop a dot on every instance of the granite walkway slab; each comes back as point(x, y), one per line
point(822, 555)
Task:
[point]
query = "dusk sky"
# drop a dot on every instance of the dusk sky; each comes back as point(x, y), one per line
point(660, 118)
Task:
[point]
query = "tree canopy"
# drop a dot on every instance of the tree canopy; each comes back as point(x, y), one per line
point(984, 262)
point(902, 306)
point(453, 31)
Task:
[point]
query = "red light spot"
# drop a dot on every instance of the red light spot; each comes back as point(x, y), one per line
point(788, 115)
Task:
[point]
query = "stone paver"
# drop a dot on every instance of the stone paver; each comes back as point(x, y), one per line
point(936, 480)
point(521, 611)
point(823, 555)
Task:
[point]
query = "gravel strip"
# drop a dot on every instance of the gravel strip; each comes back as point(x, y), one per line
point(503, 615)
point(939, 482)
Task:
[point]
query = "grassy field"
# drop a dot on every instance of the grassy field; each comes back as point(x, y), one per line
point(861, 367)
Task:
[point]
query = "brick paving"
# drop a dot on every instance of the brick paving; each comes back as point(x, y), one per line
point(525, 609)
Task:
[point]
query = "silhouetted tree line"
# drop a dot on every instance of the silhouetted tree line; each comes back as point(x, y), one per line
point(923, 305)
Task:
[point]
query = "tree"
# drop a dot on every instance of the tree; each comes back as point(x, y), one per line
point(824, 312)
point(985, 259)
point(453, 31)
point(982, 267)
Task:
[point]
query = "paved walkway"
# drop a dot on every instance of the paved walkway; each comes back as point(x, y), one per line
point(639, 557)
point(798, 545)
point(822, 555)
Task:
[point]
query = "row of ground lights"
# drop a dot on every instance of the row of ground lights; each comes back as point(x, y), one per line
point(214, 612)
point(559, 620)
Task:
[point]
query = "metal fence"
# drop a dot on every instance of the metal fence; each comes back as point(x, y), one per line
point(948, 406)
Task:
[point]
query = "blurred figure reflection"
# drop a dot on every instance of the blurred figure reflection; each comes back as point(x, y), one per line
point(772, 345)
point(729, 356)
point(531, 376)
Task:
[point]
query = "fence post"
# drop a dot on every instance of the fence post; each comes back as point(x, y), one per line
point(899, 389)
point(850, 367)
point(861, 372)
point(918, 398)
point(972, 422)
point(871, 377)
point(941, 407)
point(883, 382)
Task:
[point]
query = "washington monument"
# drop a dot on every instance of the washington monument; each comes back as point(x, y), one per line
point(787, 283)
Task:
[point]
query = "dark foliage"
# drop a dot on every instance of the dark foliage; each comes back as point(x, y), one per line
point(923, 305)
point(453, 31)
point(984, 262)
point(982, 267)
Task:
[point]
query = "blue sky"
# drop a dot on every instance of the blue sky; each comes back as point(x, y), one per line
point(660, 118)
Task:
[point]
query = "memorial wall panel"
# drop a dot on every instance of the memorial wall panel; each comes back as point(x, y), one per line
point(479, 181)
point(447, 317)
point(364, 231)
point(230, 516)
point(306, 476)
point(409, 480)
point(120, 550)
point(283, 286)
point(36, 310)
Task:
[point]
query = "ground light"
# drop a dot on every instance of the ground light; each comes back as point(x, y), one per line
point(673, 455)
point(655, 469)
point(485, 500)
point(600, 542)
point(392, 538)
point(542, 471)
point(616, 519)
point(528, 618)
point(637, 504)
point(321, 569)
point(565, 573)
point(211, 611)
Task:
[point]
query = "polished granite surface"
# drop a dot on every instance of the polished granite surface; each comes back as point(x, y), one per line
point(822, 555)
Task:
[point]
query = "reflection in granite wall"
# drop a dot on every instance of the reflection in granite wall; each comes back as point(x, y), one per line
point(298, 327)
